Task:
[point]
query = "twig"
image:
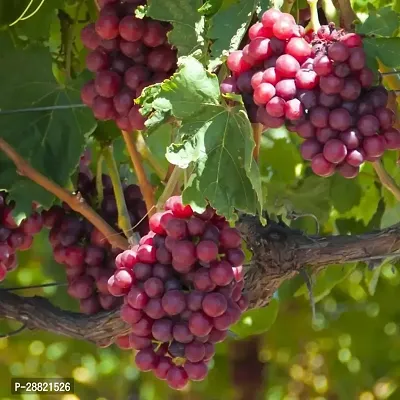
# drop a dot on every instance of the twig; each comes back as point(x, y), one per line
point(145, 186)
point(76, 202)
point(39, 109)
point(14, 333)
point(390, 73)
point(43, 285)
point(386, 179)
point(149, 157)
point(124, 221)
point(99, 179)
point(257, 133)
point(170, 187)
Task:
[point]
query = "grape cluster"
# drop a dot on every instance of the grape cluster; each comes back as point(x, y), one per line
point(319, 85)
point(83, 250)
point(182, 288)
point(14, 237)
point(126, 54)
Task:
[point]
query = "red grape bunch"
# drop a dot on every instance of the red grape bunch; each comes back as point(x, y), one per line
point(14, 237)
point(85, 253)
point(126, 55)
point(182, 288)
point(319, 85)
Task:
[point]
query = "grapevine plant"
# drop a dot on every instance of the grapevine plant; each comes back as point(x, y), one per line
point(143, 143)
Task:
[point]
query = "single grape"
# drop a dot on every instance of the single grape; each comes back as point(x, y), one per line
point(335, 151)
point(155, 34)
point(177, 378)
point(386, 117)
point(236, 63)
point(310, 148)
point(338, 52)
point(107, 83)
point(161, 59)
point(306, 79)
point(342, 70)
point(271, 16)
point(299, 49)
point(173, 302)
point(319, 116)
point(308, 98)
point(340, 119)
point(146, 360)
point(214, 304)
point(348, 171)
point(269, 76)
point(392, 138)
point(354, 158)
point(323, 66)
point(321, 166)
point(374, 146)
point(195, 351)
point(286, 89)
point(276, 107)
point(368, 125)
point(331, 84)
point(260, 49)
point(294, 109)
point(200, 324)
point(329, 100)
point(351, 138)
point(88, 93)
point(136, 119)
point(130, 315)
point(263, 93)
point(357, 59)
point(351, 90)
point(131, 29)
point(284, 29)
point(196, 371)
point(162, 330)
point(90, 39)
point(287, 66)
point(107, 26)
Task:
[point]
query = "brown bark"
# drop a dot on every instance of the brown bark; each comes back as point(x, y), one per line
point(279, 253)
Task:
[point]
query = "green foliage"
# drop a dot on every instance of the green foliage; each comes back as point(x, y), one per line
point(216, 137)
point(52, 140)
point(255, 322)
point(188, 24)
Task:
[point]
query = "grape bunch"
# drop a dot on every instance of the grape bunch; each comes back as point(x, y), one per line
point(14, 237)
point(126, 55)
point(83, 250)
point(182, 288)
point(319, 85)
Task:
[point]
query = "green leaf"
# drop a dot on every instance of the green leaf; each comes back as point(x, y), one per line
point(372, 278)
point(386, 50)
point(188, 32)
point(390, 216)
point(217, 138)
point(229, 25)
point(255, 322)
point(210, 7)
point(38, 25)
point(52, 141)
point(370, 197)
point(280, 158)
point(327, 280)
point(382, 22)
point(345, 193)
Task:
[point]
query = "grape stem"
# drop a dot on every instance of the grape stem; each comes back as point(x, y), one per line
point(314, 21)
point(76, 202)
point(145, 186)
point(330, 11)
point(347, 14)
point(14, 333)
point(287, 6)
point(124, 221)
point(170, 187)
point(149, 157)
point(70, 40)
point(386, 179)
point(43, 285)
point(99, 178)
point(257, 133)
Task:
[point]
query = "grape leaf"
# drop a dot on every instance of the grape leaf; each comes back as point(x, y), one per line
point(386, 50)
point(257, 321)
point(228, 27)
point(51, 140)
point(345, 194)
point(38, 25)
point(382, 22)
point(215, 137)
point(187, 34)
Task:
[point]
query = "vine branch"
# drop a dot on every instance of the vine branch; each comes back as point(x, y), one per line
point(145, 186)
point(279, 253)
point(386, 179)
point(76, 202)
